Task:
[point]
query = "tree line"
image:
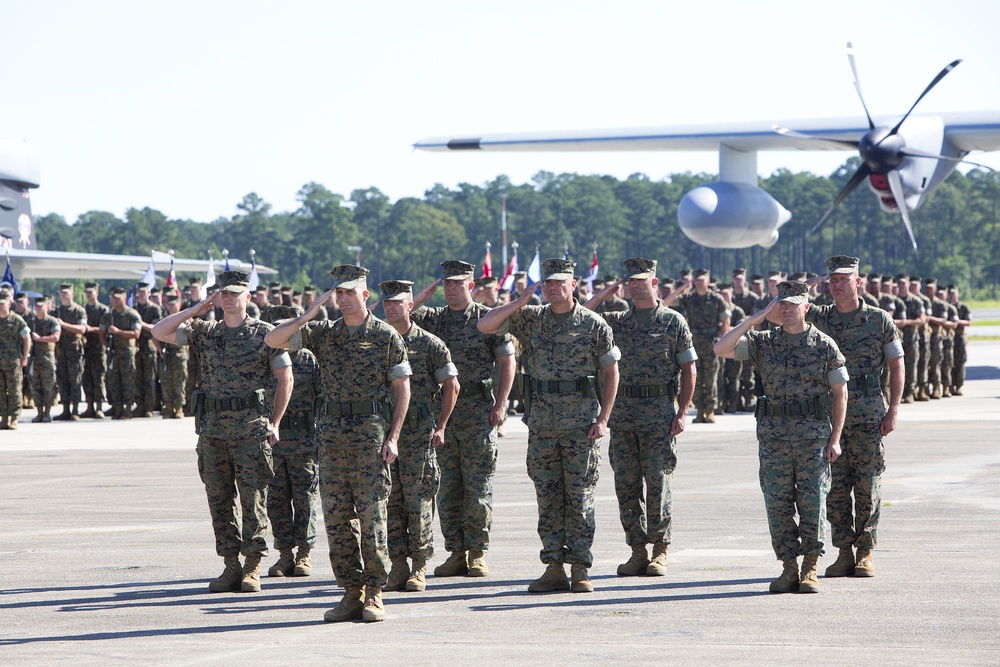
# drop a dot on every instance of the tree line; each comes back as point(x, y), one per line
point(957, 229)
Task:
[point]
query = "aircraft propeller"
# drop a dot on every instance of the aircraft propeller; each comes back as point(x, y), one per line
point(882, 150)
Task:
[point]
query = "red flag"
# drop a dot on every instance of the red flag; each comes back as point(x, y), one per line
point(487, 264)
point(172, 276)
point(593, 268)
point(508, 276)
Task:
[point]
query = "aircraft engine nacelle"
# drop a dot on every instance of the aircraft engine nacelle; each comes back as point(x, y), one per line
point(731, 215)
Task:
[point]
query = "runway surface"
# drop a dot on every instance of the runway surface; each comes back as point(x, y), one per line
point(106, 551)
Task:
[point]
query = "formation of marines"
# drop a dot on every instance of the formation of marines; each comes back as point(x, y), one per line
point(306, 398)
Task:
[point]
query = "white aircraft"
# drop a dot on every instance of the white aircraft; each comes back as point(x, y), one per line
point(19, 173)
point(903, 158)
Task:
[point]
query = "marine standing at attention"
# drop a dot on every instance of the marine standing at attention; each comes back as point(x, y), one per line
point(564, 348)
point(656, 350)
point(45, 334)
point(235, 432)
point(95, 360)
point(468, 456)
point(119, 332)
point(15, 346)
point(69, 352)
point(366, 387)
point(799, 421)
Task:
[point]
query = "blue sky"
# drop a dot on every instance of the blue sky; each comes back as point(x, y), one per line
point(188, 106)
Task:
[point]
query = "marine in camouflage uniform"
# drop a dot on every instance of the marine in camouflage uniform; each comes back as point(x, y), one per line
point(23, 308)
point(45, 333)
point(95, 360)
point(800, 367)
point(937, 321)
point(15, 345)
point(69, 351)
point(235, 432)
point(173, 370)
point(294, 492)
point(947, 346)
point(961, 341)
point(708, 316)
point(365, 376)
point(415, 474)
point(750, 303)
point(913, 319)
point(191, 297)
point(119, 332)
point(924, 342)
point(656, 349)
point(731, 370)
point(564, 348)
point(147, 354)
point(468, 457)
point(869, 341)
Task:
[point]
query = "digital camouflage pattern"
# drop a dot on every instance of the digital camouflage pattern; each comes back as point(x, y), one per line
point(948, 348)
point(867, 338)
point(43, 367)
point(69, 353)
point(911, 343)
point(704, 314)
point(961, 342)
point(354, 480)
point(653, 347)
point(173, 375)
point(939, 308)
point(95, 359)
point(468, 457)
point(924, 343)
point(146, 358)
point(294, 492)
point(13, 328)
point(562, 463)
point(750, 303)
point(121, 355)
point(794, 474)
point(234, 457)
point(731, 370)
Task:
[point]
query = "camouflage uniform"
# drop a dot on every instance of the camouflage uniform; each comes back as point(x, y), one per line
point(146, 359)
point(294, 491)
point(13, 329)
point(654, 344)
point(356, 371)
point(911, 344)
point(121, 356)
point(948, 350)
point(233, 452)
point(69, 355)
point(173, 377)
point(731, 370)
point(750, 303)
point(794, 473)
point(924, 344)
point(194, 369)
point(468, 457)
point(868, 339)
point(95, 361)
point(936, 344)
point(704, 314)
point(961, 353)
point(43, 368)
point(415, 474)
point(562, 360)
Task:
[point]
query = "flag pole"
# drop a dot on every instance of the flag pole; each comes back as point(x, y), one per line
point(503, 225)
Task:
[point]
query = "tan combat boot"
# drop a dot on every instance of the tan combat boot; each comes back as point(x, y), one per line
point(231, 577)
point(945, 391)
point(373, 611)
point(936, 392)
point(12, 425)
point(553, 579)
point(251, 574)
point(636, 564)
point(284, 566)
point(74, 411)
point(956, 391)
point(788, 582)
point(844, 565)
point(350, 607)
point(658, 563)
point(417, 581)
point(863, 566)
point(922, 395)
point(477, 564)
point(580, 579)
point(303, 559)
point(700, 419)
point(457, 565)
point(809, 581)
point(710, 416)
point(398, 575)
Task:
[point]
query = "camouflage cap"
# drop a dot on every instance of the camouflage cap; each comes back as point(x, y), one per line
point(172, 297)
point(40, 300)
point(792, 291)
point(395, 290)
point(916, 279)
point(309, 289)
point(348, 276)
point(757, 278)
point(90, 285)
point(278, 313)
point(699, 273)
point(486, 281)
point(194, 281)
point(639, 268)
point(274, 285)
point(952, 288)
point(875, 278)
point(558, 269)
point(610, 278)
point(4, 295)
point(155, 290)
point(740, 271)
point(117, 291)
point(930, 281)
point(520, 274)
point(65, 286)
point(842, 264)
point(800, 276)
point(776, 275)
point(142, 287)
point(456, 269)
point(234, 281)
point(902, 277)
point(20, 295)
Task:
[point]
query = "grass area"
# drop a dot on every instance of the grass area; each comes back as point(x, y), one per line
point(985, 303)
point(975, 337)
point(986, 323)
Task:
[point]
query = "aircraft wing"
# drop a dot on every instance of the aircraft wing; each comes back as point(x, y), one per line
point(78, 265)
point(966, 131)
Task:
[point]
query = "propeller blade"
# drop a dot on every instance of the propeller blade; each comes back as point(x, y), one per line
point(896, 187)
point(785, 132)
point(857, 86)
point(933, 83)
point(861, 174)
point(913, 152)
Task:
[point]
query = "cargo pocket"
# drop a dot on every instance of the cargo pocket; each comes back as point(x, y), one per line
point(199, 452)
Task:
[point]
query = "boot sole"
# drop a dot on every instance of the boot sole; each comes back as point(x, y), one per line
point(415, 587)
point(333, 619)
point(302, 572)
point(460, 573)
point(840, 573)
point(863, 574)
point(808, 588)
point(548, 589)
point(478, 573)
point(234, 588)
point(794, 589)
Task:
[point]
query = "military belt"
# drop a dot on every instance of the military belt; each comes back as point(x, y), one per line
point(230, 404)
point(415, 415)
point(647, 390)
point(711, 332)
point(869, 384)
point(295, 423)
point(349, 409)
point(557, 386)
point(43, 347)
point(815, 408)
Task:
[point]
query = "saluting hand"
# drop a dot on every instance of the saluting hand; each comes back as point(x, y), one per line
point(606, 292)
point(424, 295)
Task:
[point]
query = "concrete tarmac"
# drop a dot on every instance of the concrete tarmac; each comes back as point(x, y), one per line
point(106, 551)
